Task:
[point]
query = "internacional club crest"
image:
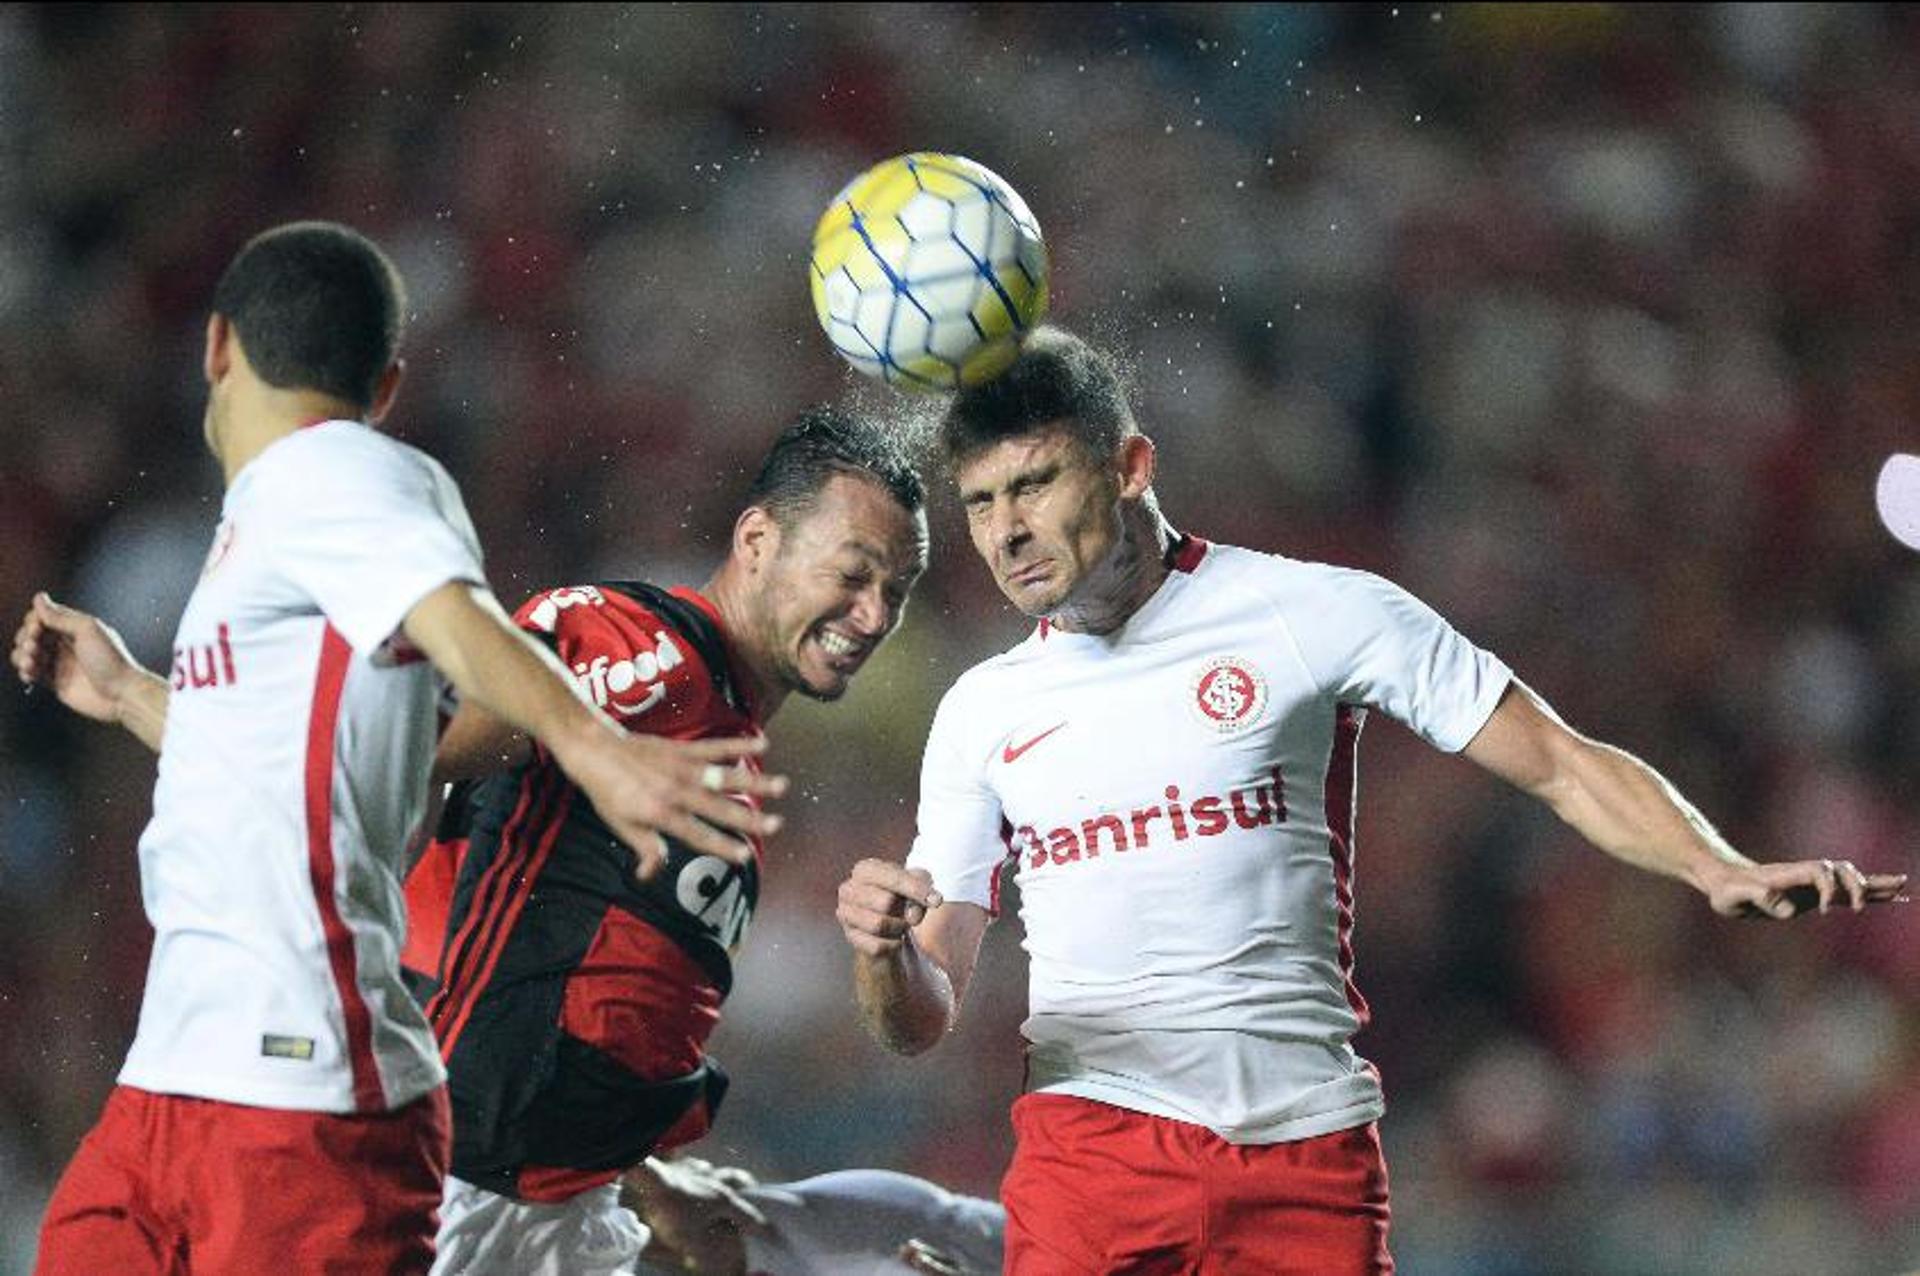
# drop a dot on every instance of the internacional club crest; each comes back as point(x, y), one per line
point(1229, 693)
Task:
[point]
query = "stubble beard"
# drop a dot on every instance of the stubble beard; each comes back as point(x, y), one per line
point(1120, 584)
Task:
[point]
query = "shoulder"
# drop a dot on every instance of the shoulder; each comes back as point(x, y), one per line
point(994, 676)
point(1326, 614)
point(631, 659)
point(1287, 583)
point(996, 681)
point(347, 452)
point(573, 605)
point(604, 618)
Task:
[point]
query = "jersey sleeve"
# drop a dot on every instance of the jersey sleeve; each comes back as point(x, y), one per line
point(1372, 643)
point(628, 660)
point(368, 531)
point(960, 838)
point(565, 619)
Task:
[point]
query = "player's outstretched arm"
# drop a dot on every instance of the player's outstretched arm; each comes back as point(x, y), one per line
point(913, 952)
point(1627, 809)
point(87, 665)
point(642, 785)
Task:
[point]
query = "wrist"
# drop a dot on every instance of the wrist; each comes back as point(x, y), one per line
point(1711, 872)
point(126, 695)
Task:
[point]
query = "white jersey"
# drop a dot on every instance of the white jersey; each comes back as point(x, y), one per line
point(1178, 799)
point(299, 735)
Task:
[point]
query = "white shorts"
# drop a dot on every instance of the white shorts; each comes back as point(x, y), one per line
point(485, 1234)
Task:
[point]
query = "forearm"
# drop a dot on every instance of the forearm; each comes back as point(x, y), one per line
point(495, 666)
point(142, 707)
point(1630, 811)
point(906, 1001)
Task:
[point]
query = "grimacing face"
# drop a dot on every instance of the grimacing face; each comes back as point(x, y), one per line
point(838, 584)
point(1043, 512)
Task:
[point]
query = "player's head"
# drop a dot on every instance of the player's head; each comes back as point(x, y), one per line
point(312, 308)
point(1049, 462)
point(832, 538)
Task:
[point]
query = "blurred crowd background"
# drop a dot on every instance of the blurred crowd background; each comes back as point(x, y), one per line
point(1590, 324)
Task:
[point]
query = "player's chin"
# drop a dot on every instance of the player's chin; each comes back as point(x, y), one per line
point(1036, 601)
point(825, 689)
point(825, 679)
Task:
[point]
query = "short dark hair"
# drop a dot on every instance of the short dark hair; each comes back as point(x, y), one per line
point(824, 441)
point(1056, 379)
point(317, 306)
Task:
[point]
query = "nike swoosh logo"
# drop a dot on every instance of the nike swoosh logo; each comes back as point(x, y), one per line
point(1011, 753)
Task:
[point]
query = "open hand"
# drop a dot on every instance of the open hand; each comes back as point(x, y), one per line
point(644, 786)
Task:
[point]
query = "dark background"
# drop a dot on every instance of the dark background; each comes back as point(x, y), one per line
point(1590, 325)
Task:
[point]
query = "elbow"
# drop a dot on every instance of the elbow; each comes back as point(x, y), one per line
point(905, 1027)
point(906, 1044)
point(917, 1039)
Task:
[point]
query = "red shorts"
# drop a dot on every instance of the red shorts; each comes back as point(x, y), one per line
point(1096, 1190)
point(176, 1185)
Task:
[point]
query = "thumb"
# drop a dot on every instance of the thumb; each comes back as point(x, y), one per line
point(924, 879)
point(56, 616)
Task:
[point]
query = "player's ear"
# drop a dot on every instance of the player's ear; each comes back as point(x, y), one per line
point(385, 389)
point(756, 536)
point(1134, 459)
point(219, 354)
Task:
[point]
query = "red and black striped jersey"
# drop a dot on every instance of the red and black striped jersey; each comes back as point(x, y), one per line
point(572, 1001)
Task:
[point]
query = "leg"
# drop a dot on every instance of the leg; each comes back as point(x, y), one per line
point(1313, 1207)
point(317, 1192)
point(1096, 1190)
point(103, 1216)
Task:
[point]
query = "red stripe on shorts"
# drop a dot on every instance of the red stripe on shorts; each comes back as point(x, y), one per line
point(328, 683)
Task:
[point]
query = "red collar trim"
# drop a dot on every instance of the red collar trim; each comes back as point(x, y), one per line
point(1186, 552)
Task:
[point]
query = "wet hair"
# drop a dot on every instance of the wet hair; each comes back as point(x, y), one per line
point(825, 441)
point(317, 306)
point(1058, 379)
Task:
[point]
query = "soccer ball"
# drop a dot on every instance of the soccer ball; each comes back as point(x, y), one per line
point(927, 271)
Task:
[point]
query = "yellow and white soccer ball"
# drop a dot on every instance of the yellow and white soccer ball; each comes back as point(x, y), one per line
point(928, 269)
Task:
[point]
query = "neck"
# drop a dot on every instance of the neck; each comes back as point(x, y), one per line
point(1121, 585)
point(260, 416)
point(728, 594)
